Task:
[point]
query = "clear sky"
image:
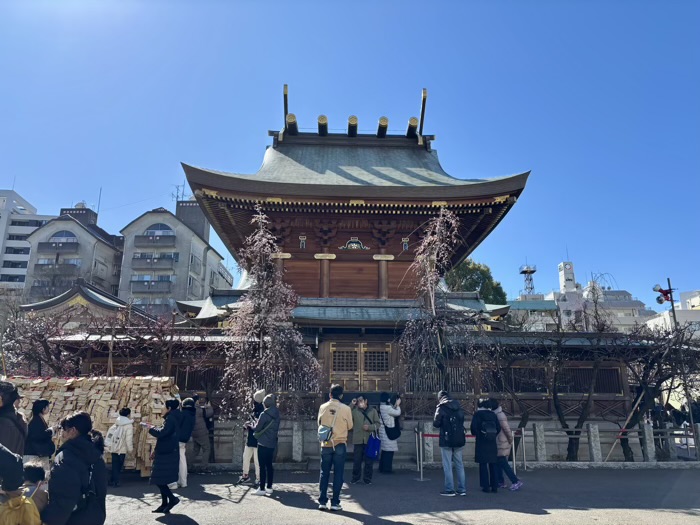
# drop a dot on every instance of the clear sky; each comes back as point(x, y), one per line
point(600, 99)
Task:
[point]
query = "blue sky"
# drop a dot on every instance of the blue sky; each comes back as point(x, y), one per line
point(598, 98)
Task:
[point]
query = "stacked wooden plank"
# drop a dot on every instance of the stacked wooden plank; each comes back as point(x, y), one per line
point(102, 398)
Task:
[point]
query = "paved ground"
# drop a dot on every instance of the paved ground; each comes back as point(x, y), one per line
point(631, 497)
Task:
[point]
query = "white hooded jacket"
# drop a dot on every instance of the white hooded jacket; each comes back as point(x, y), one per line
point(125, 445)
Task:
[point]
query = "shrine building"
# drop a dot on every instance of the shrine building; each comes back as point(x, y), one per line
point(348, 210)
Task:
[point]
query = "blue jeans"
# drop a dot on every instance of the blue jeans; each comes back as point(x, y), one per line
point(504, 467)
point(452, 457)
point(336, 459)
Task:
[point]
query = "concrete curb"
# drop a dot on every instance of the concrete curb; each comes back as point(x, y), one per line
point(584, 465)
point(218, 468)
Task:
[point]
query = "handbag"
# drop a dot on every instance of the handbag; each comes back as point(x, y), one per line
point(392, 433)
point(325, 432)
point(374, 444)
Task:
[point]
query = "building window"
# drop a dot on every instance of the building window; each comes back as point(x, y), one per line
point(158, 230)
point(17, 237)
point(63, 236)
point(12, 278)
point(167, 278)
point(14, 264)
point(145, 277)
point(75, 262)
point(16, 251)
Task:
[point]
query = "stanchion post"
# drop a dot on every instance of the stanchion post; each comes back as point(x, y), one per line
point(417, 449)
point(522, 443)
point(512, 451)
point(421, 444)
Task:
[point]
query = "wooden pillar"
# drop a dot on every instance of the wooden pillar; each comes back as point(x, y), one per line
point(325, 276)
point(383, 276)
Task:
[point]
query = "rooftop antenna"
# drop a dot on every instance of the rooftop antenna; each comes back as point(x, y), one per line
point(99, 201)
point(567, 253)
point(286, 105)
point(422, 111)
point(14, 179)
point(528, 270)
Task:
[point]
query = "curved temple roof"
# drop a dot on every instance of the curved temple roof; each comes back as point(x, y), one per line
point(362, 167)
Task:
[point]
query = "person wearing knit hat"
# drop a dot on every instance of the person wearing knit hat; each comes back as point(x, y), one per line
point(259, 395)
point(251, 447)
point(265, 432)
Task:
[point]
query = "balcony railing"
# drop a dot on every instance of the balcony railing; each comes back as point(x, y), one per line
point(69, 270)
point(151, 286)
point(154, 240)
point(160, 263)
point(58, 247)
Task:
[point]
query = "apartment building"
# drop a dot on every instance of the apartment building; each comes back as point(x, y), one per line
point(18, 219)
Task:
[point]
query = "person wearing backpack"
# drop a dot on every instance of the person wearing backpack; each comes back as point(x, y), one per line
point(485, 428)
point(72, 492)
point(449, 418)
point(334, 422)
point(93, 509)
point(389, 431)
point(365, 422)
point(119, 443)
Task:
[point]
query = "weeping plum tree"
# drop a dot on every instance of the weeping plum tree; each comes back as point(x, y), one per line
point(267, 351)
point(435, 338)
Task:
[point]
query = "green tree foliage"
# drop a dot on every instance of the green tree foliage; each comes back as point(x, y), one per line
point(471, 276)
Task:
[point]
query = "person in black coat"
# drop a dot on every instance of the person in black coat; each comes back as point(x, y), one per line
point(77, 482)
point(449, 418)
point(166, 457)
point(11, 472)
point(485, 427)
point(94, 511)
point(39, 444)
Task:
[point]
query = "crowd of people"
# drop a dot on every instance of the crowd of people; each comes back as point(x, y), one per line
point(72, 488)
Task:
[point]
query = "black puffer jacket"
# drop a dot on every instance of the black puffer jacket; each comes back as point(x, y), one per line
point(186, 424)
point(485, 451)
point(70, 479)
point(166, 460)
point(257, 410)
point(449, 418)
point(39, 439)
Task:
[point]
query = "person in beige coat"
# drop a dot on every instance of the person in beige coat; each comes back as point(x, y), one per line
point(504, 440)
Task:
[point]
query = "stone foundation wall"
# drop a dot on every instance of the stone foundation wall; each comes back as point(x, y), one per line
point(298, 442)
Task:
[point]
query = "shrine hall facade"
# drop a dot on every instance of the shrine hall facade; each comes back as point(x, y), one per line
point(348, 210)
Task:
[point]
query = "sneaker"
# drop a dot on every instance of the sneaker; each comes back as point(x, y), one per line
point(336, 508)
point(259, 492)
point(516, 486)
point(368, 482)
point(268, 492)
point(173, 486)
point(462, 493)
point(243, 480)
point(323, 506)
point(183, 486)
point(354, 482)
point(448, 493)
point(501, 485)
